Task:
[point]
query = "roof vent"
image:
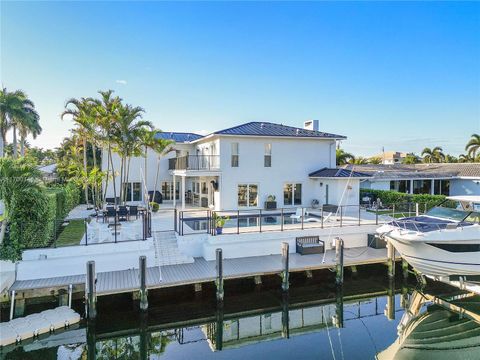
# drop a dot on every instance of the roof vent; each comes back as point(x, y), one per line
point(298, 131)
point(311, 125)
point(262, 125)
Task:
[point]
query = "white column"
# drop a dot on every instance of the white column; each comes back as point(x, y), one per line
point(183, 192)
point(432, 190)
point(411, 186)
point(174, 192)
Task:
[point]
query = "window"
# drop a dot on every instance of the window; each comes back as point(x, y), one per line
point(132, 191)
point(441, 187)
point(247, 195)
point(234, 154)
point(422, 186)
point(292, 194)
point(400, 186)
point(267, 159)
point(167, 190)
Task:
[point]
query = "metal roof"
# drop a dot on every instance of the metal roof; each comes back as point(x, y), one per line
point(337, 173)
point(420, 171)
point(257, 128)
point(179, 137)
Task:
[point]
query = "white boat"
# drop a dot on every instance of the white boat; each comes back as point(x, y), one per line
point(444, 242)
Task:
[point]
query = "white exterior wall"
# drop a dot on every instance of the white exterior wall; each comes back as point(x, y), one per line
point(292, 161)
point(465, 187)
point(137, 165)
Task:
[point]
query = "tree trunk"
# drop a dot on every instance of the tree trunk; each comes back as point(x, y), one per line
point(127, 175)
point(122, 187)
point(85, 168)
point(2, 143)
point(113, 176)
point(3, 228)
point(22, 146)
point(145, 173)
point(156, 179)
point(95, 186)
point(108, 175)
point(15, 151)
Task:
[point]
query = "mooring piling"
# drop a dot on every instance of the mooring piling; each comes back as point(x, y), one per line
point(390, 260)
point(285, 266)
point(338, 261)
point(219, 280)
point(285, 316)
point(12, 304)
point(390, 310)
point(143, 282)
point(91, 291)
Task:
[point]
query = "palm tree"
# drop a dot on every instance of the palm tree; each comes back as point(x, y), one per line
point(16, 177)
point(465, 158)
point(150, 139)
point(375, 160)
point(473, 146)
point(450, 159)
point(12, 106)
point(30, 125)
point(126, 134)
point(434, 155)
point(359, 160)
point(411, 158)
point(106, 111)
point(81, 111)
point(343, 157)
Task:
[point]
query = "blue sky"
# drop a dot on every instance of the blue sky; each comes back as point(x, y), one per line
point(400, 75)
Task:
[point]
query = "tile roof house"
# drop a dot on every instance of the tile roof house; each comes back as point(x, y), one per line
point(444, 178)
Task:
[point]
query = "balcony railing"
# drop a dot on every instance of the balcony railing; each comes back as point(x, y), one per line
point(195, 162)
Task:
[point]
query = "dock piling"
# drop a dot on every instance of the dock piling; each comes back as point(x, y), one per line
point(285, 266)
point(390, 310)
point(143, 282)
point(338, 318)
point(219, 280)
point(285, 316)
point(70, 292)
point(405, 269)
point(91, 291)
point(338, 261)
point(12, 304)
point(390, 260)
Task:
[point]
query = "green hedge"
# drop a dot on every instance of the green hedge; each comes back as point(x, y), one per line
point(36, 217)
point(389, 197)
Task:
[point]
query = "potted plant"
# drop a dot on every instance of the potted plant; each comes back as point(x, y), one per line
point(271, 203)
point(219, 222)
point(154, 206)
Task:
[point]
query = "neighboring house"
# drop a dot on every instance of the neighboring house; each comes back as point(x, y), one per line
point(49, 172)
point(239, 167)
point(391, 157)
point(445, 179)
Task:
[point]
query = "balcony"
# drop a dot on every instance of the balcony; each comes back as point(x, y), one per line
point(195, 162)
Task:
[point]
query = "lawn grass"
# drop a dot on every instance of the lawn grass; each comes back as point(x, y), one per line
point(72, 233)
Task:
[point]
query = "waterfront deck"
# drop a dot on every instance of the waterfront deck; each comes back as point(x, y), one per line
point(201, 271)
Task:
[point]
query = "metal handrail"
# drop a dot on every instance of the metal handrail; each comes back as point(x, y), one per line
point(194, 162)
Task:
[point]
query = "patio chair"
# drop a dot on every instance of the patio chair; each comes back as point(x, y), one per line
point(133, 211)
point(122, 213)
point(111, 213)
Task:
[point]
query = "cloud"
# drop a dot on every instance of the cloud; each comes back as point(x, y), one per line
point(122, 82)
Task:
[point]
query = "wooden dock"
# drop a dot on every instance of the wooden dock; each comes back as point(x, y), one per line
point(202, 271)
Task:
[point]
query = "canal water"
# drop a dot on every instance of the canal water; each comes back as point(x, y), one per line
point(369, 318)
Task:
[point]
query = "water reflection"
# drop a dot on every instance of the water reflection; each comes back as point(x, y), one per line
point(388, 321)
point(438, 328)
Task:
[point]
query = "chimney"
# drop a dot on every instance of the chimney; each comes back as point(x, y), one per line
point(311, 125)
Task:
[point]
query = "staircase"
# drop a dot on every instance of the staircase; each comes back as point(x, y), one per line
point(166, 249)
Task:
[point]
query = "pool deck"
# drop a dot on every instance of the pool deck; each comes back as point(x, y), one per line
point(201, 271)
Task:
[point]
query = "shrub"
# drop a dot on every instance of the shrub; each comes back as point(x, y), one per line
point(154, 206)
point(389, 197)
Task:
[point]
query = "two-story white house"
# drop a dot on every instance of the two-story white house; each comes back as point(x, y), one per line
point(240, 167)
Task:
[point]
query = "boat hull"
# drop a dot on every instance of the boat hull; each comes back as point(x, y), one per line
point(431, 260)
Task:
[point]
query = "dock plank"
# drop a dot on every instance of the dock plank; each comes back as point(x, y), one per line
point(200, 270)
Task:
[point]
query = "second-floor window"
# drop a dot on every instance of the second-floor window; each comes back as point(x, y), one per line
point(267, 158)
point(234, 160)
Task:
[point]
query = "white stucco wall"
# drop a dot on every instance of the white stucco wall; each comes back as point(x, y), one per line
point(292, 161)
point(465, 187)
